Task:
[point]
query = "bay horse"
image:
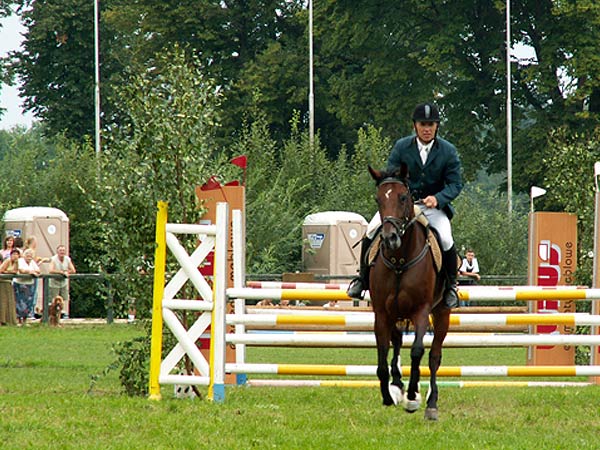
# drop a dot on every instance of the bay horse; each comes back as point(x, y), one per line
point(405, 286)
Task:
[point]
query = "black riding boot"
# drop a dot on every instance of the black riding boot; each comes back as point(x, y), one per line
point(450, 264)
point(361, 283)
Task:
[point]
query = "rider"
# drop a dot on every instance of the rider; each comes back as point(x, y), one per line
point(434, 178)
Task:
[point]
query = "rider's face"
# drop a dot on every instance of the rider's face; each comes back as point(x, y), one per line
point(426, 131)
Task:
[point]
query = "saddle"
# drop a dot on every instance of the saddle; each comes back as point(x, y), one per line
point(432, 239)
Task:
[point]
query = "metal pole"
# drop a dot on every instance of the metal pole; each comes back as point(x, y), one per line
point(311, 94)
point(508, 113)
point(594, 350)
point(45, 299)
point(97, 75)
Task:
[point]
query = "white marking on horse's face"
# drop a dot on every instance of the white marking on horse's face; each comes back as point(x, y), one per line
point(388, 193)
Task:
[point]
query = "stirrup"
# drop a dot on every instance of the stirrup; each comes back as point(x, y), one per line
point(356, 289)
point(451, 297)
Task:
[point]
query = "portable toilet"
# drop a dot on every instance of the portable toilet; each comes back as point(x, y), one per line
point(49, 225)
point(330, 241)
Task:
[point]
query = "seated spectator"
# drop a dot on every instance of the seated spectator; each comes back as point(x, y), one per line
point(265, 302)
point(469, 268)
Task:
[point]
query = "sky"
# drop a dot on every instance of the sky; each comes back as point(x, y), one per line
point(10, 39)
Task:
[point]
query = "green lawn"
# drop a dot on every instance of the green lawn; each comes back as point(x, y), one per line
point(45, 402)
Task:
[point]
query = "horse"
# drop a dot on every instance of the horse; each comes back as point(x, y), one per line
point(405, 286)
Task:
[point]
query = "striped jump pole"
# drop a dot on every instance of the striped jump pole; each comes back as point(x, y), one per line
point(424, 384)
point(449, 371)
point(362, 320)
point(334, 339)
point(479, 293)
point(295, 285)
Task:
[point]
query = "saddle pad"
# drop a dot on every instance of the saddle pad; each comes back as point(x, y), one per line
point(435, 249)
point(374, 249)
point(420, 217)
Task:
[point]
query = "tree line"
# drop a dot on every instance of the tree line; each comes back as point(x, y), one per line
point(188, 85)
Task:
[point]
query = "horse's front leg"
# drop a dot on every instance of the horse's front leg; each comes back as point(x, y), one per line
point(382, 337)
point(441, 323)
point(413, 398)
point(396, 366)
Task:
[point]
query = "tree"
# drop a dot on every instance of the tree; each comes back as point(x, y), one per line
point(160, 151)
point(481, 223)
point(569, 180)
point(56, 65)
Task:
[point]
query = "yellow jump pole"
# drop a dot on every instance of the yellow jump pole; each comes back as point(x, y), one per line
point(160, 260)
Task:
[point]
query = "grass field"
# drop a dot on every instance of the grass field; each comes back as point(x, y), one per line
point(45, 402)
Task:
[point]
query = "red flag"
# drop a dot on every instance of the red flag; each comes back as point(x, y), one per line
point(233, 183)
point(240, 161)
point(211, 184)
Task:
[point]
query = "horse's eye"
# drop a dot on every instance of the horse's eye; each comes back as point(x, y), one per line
point(403, 198)
point(376, 200)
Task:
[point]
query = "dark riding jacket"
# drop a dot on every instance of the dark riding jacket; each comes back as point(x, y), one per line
point(440, 176)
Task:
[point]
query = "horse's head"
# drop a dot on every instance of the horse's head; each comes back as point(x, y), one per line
point(395, 204)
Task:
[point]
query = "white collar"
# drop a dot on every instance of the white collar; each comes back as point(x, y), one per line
point(426, 147)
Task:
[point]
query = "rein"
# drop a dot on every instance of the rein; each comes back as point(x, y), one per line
point(401, 265)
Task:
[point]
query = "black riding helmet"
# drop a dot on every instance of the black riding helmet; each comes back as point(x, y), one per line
point(426, 112)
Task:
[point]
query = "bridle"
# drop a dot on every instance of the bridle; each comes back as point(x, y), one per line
point(401, 226)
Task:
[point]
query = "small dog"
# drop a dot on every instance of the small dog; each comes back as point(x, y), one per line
point(56, 309)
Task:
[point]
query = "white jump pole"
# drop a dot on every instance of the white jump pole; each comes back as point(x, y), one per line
point(239, 277)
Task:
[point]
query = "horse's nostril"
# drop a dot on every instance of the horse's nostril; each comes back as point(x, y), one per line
point(392, 241)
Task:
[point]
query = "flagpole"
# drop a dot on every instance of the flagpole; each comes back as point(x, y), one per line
point(509, 187)
point(311, 94)
point(97, 76)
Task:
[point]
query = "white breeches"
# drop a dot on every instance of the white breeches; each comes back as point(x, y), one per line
point(437, 219)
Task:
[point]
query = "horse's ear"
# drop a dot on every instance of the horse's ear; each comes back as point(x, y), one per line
point(376, 174)
point(403, 171)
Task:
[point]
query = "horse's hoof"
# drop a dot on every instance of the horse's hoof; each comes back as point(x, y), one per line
point(410, 406)
point(431, 414)
point(395, 393)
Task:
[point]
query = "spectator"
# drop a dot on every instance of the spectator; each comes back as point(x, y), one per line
point(19, 243)
point(61, 264)
point(31, 243)
point(469, 268)
point(8, 306)
point(24, 286)
point(265, 302)
point(9, 243)
point(331, 304)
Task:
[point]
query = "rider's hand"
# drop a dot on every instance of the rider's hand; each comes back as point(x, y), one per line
point(430, 201)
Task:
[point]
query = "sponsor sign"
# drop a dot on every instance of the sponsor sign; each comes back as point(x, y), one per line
point(552, 262)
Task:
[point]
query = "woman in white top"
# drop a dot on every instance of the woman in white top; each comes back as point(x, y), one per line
point(24, 286)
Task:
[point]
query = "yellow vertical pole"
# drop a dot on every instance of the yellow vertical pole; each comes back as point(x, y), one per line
point(160, 260)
